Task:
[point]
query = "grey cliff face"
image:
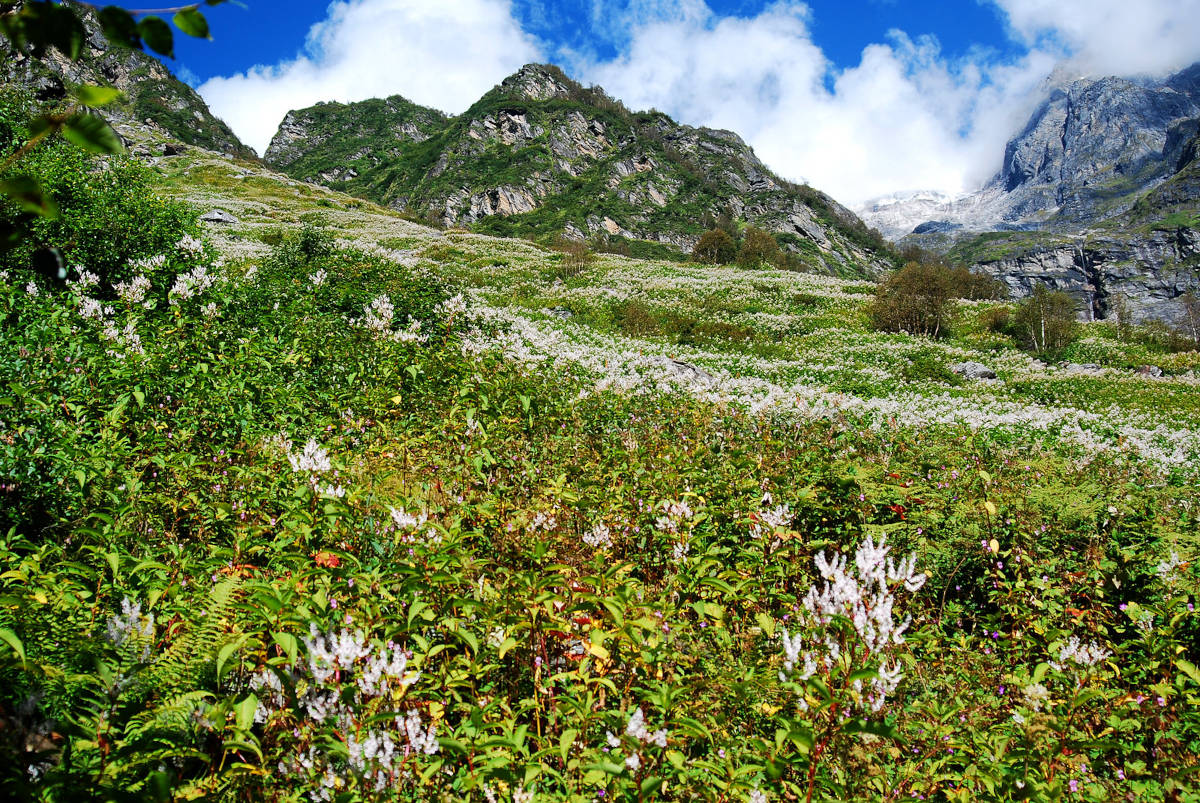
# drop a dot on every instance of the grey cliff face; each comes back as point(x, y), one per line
point(1089, 151)
point(1150, 274)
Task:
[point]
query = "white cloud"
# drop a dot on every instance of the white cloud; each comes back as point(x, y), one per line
point(1117, 37)
point(902, 119)
point(444, 54)
point(906, 117)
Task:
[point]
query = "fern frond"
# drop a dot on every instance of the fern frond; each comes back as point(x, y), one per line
point(183, 666)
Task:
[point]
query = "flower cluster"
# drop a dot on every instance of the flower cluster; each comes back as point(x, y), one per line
point(377, 319)
point(1084, 656)
point(130, 626)
point(134, 291)
point(675, 515)
point(641, 736)
point(190, 285)
point(864, 597)
point(452, 308)
point(353, 683)
point(314, 461)
point(599, 537)
point(1168, 570)
point(414, 529)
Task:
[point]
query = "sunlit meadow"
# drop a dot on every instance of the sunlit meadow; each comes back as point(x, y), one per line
point(327, 505)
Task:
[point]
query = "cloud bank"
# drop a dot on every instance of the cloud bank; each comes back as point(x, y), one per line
point(904, 118)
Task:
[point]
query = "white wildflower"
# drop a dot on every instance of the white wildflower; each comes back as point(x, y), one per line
point(133, 291)
point(312, 459)
point(1036, 695)
point(599, 537)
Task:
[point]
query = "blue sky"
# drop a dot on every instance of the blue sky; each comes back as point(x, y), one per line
point(861, 98)
point(270, 31)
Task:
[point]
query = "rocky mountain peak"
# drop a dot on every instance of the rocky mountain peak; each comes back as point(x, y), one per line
point(542, 156)
point(537, 82)
point(151, 93)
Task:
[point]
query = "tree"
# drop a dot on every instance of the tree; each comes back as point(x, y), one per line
point(1191, 316)
point(715, 248)
point(758, 248)
point(918, 299)
point(1045, 320)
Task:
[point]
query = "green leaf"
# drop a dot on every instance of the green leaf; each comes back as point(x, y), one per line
point(10, 638)
point(507, 645)
point(119, 27)
point(95, 96)
point(565, 741)
point(1189, 669)
point(415, 609)
point(880, 729)
point(288, 643)
point(802, 738)
point(223, 656)
point(244, 712)
point(766, 623)
point(651, 785)
point(157, 35)
point(28, 195)
point(862, 674)
point(92, 133)
point(192, 22)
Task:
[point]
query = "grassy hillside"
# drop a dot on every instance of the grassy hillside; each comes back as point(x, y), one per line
point(357, 509)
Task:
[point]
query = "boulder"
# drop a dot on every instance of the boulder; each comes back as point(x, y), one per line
point(686, 370)
point(218, 216)
point(973, 370)
point(1150, 370)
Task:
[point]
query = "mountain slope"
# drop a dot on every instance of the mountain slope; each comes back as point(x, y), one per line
point(151, 92)
point(1090, 150)
point(540, 155)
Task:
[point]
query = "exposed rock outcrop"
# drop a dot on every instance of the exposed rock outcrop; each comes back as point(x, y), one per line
point(1150, 273)
point(1088, 152)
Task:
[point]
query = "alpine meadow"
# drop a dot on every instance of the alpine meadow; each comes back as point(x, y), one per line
point(553, 451)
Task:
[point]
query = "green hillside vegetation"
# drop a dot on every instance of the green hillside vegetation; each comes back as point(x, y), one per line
point(149, 90)
point(329, 505)
point(455, 162)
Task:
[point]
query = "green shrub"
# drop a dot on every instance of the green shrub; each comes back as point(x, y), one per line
point(918, 299)
point(927, 367)
point(1045, 321)
point(758, 248)
point(110, 217)
point(715, 247)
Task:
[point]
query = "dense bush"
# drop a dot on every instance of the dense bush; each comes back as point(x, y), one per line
point(715, 247)
point(917, 299)
point(758, 248)
point(1045, 321)
point(109, 221)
